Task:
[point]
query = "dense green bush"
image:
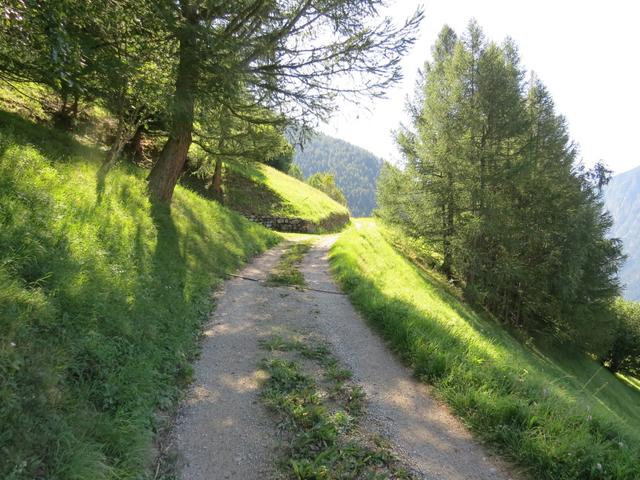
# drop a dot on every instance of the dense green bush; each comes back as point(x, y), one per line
point(624, 355)
point(326, 182)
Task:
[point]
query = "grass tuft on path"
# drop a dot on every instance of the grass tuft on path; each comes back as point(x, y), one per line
point(319, 412)
point(554, 411)
point(286, 272)
point(102, 297)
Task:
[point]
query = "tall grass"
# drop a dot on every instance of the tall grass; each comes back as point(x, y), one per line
point(553, 411)
point(102, 296)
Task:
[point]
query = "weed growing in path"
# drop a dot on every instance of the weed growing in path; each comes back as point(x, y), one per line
point(318, 408)
point(286, 271)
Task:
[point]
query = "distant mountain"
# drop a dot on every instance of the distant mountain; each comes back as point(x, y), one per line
point(356, 170)
point(622, 199)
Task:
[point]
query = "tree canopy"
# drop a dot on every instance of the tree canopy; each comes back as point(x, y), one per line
point(326, 182)
point(181, 65)
point(492, 177)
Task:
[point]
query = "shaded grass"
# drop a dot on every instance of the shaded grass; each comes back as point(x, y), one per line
point(286, 272)
point(320, 416)
point(102, 296)
point(552, 410)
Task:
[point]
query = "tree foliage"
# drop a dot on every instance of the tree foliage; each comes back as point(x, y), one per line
point(326, 182)
point(293, 57)
point(186, 64)
point(493, 177)
point(624, 353)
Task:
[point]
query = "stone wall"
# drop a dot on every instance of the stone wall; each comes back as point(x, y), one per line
point(299, 225)
point(281, 224)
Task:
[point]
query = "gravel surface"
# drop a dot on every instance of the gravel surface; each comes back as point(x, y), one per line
point(223, 431)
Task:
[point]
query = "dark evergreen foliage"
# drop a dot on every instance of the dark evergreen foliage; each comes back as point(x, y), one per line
point(624, 354)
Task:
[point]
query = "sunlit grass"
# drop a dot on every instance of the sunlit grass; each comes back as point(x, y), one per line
point(102, 296)
point(553, 410)
point(284, 196)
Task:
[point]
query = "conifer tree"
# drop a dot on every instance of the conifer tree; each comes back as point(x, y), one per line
point(492, 176)
point(291, 55)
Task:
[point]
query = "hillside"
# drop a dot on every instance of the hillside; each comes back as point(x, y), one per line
point(551, 409)
point(356, 170)
point(622, 199)
point(102, 299)
point(258, 189)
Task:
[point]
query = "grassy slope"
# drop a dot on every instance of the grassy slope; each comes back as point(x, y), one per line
point(101, 301)
point(279, 195)
point(557, 413)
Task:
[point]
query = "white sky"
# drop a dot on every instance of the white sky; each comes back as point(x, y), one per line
point(586, 52)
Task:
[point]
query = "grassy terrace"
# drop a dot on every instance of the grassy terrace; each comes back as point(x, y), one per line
point(260, 189)
point(555, 412)
point(101, 301)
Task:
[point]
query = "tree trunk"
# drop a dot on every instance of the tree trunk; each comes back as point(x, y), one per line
point(216, 184)
point(134, 146)
point(449, 230)
point(62, 117)
point(166, 172)
point(447, 263)
point(116, 147)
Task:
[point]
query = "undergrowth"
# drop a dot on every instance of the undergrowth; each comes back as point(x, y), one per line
point(554, 411)
point(286, 272)
point(319, 413)
point(102, 296)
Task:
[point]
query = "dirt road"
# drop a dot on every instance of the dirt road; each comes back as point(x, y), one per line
point(224, 432)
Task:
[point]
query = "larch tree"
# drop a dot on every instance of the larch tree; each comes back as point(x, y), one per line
point(294, 57)
point(493, 177)
point(252, 134)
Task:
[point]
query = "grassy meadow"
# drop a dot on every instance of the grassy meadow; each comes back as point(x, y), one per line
point(102, 296)
point(261, 189)
point(551, 410)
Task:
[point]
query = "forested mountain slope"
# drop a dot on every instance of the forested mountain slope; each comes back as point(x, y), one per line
point(622, 199)
point(356, 170)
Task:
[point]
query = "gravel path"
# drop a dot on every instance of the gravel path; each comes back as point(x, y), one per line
point(223, 432)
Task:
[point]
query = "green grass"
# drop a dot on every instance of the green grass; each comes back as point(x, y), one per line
point(319, 409)
point(260, 189)
point(552, 410)
point(102, 297)
point(286, 272)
